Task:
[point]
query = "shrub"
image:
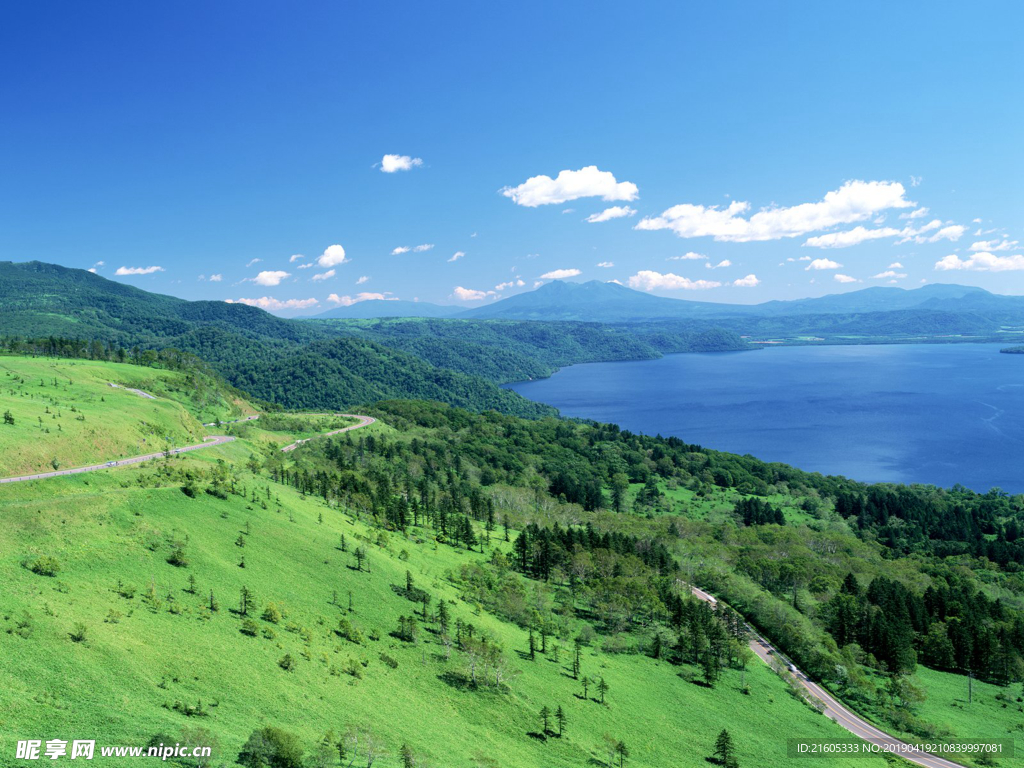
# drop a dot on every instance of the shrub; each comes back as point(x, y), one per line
point(79, 633)
point(389, 661)
point(286, 662)
point(45, 565)
point(250, 628)
point(272, 613)
point(271, 746)
point(178, 558)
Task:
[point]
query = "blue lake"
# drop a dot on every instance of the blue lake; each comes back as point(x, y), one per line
point(909, 413)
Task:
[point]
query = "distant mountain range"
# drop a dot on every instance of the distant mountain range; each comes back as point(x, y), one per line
point(374, 308)
point(596, 301)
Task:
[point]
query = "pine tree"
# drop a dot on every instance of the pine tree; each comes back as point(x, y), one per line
point(623, 752)
point(244, 601)
point(408, 758)
point(545, 716)
point(560, 717)
point(725, 751)
point(602, 688)
point(585, 682)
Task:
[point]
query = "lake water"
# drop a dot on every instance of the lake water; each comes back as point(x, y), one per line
point(909, 413)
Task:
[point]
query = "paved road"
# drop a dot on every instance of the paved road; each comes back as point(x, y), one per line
point(208, 442)
point(364, 421)
point(832, 708)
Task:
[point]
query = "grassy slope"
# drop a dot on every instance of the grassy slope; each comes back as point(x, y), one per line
point(110, 686)
point(116, 423)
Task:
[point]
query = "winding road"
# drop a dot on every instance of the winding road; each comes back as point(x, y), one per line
point(208, 442)
point(832, 708)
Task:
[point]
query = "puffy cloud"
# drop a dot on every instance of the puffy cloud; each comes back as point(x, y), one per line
point(348, 301)
point(615, 212)
point(747, 282)
point(983, 245)
point(270, 303)
point(888, 274)
point(270, 277)
point(822, 264)
point(363, 279)
point(138, 270)
point(91, 269)
point(517, 283)
point(840, 278)
point(649, 280)
point(468, 294)
point(422, 248)
point(324, 275)
point(691, 256)
point(917, 213)
point(982, 262)
point(253, 261)
point(216, 278)
point(456, 256)
point(392, 163)
point(854, 201)
point(895, 265)
point(560, 274)
point(571, 185)
point(605, 264)
point(333, 256)
point(722, 263)
point(295, 257)
point(400, 249)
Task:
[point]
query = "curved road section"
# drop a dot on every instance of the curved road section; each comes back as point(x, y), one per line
point(208, 442)
point(831, 707)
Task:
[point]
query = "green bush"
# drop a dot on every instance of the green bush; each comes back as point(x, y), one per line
point(45, 565)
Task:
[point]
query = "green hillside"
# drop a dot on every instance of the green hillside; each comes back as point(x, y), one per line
point(66, 413)
point(155, 659)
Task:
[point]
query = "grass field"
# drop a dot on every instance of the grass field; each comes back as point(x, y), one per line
point(142, 654)
point(66, 414)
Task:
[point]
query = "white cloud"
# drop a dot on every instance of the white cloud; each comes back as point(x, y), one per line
point(517, 283)
point(840, 278)
point(951, 232)
point(850, 237)
point(570, 185)
point(333, 256)
point(138, 270)
point(822, 264)
point(363, 279)
point(560, 274)
point(422, 248)
point(392, 163)
point(100, 264)
point(216, 278)
point(324, 275)
point(722, 263)
point(270, 278)
point(649, 280)
point(91, 269)
point(456, 256)
point(270, 303)
point(895, 265)
point(982, 262)
point(605, 264)
point(747, 282)
point(253, 261)
point(691, 256)
point(295, 257)
point(468, 294)
point(917, 213)
point(986, 245)
point(400, 249)
point(310, 265)
point(854, 201)
point(348, 301)
point(615, 212)
point(915, 181)
point(888, 274)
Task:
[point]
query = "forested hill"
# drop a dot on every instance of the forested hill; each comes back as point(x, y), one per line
point(318, 364)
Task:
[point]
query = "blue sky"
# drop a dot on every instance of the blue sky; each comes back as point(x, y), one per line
point(199, 138)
